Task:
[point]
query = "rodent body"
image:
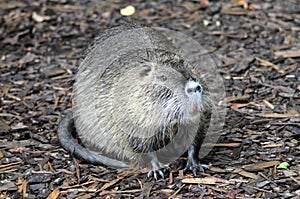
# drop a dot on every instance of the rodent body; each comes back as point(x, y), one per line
point(139, 102)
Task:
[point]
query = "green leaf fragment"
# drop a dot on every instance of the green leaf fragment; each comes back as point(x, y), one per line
point(283, 165)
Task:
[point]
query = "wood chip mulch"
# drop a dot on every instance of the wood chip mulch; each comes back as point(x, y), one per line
point(256, 45)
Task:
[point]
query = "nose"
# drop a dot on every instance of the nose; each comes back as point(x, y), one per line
point(198, 88)
point(195, 88)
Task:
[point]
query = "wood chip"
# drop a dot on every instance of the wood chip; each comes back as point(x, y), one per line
point(54, 194)
point(171, 177)
point(11, 166)
point(238, 105)
point(230, 11)
point(297, 181)
point(277, 115)
point(271, 106)
point(180, 174)
point(4, 128)
point(288, 53)
point(177, 191)
point(246, 173)
point(111, 183)
point(272, 146)
point(262, 165)
point(267, 63)
point(217, 169)
point(53, 72)
point(231, 145)
point(233, 99)
point(206, 180)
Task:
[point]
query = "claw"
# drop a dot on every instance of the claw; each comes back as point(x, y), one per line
point(156, 174)
point(167, 167)
point(160, 173)
point(150, 174)
point(204, 166)
point(194, 171)
point(157, 167)
point(193, 163)
point(195, 166)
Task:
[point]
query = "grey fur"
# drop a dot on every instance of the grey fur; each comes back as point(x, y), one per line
point(135, 104)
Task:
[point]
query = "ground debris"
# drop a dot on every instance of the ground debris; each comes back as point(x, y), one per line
point(256, 45)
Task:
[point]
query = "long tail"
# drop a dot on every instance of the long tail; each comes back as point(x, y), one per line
point(67, 141)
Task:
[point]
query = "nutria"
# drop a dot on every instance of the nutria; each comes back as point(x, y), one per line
point(135, 101)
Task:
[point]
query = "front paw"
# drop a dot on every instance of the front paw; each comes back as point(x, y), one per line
point(157, 170)
point(194, 165)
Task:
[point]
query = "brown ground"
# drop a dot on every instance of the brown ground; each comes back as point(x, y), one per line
point(257, 44)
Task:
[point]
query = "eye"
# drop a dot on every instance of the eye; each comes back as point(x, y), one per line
point(189, 90)
point(145, 70)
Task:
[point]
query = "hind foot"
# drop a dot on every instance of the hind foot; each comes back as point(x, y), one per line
point(193, 163)
point(194, 166)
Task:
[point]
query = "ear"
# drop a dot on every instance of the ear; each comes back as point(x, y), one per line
point(145, 70)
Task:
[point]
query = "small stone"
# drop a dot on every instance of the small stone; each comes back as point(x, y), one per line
point(127, 11)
